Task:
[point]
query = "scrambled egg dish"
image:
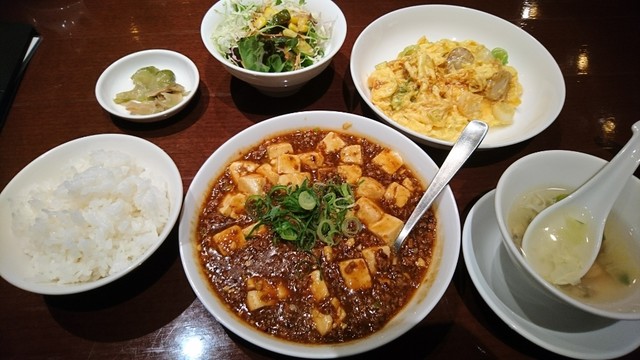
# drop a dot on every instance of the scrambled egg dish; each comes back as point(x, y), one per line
point(436, 88)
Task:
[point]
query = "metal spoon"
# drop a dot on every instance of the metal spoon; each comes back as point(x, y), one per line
point(467, 143)
point(563, 241)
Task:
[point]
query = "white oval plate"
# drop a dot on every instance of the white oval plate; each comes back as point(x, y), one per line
point(542, 82)
point(542, 319)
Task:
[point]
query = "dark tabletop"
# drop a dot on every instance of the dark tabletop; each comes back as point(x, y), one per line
point(152, 312)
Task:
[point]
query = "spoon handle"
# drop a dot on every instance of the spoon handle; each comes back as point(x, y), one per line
point(617, 172)
point(467, 143)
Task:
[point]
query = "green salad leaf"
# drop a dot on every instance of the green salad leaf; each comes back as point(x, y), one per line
point(252, 53)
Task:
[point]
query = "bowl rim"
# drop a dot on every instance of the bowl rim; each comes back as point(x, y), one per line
point(107, 72)
point(173, 179)
point(205, 34)
point(438, 278)
point(514, 252)
point(444, 144)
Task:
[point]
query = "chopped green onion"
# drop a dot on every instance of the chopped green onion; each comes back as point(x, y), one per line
point(306, 200)
point(305, 214)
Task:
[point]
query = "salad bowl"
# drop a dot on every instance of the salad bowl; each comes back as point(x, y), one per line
point(216, 23)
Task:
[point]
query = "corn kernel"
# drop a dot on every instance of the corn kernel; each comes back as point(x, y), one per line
point(259, 22)
point(293, 27)
point(303, 27)
point(289, 33)
point(269, 12)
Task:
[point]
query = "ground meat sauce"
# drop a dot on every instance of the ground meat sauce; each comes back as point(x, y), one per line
point(355, 313)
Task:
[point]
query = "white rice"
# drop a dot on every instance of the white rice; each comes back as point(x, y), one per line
point(95, 220)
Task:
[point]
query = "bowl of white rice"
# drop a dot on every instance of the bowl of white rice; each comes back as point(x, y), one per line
point(86, 213)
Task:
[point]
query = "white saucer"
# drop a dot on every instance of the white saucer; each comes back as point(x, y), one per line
point(535, 315)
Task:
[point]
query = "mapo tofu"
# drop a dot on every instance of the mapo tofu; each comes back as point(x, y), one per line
point(296, 236)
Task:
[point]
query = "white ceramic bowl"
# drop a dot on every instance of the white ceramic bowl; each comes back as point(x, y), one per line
point(569, 170)
point(285, 83)
point(14, 263)
point(542, 82)
point(427, 296)
point(117, 78)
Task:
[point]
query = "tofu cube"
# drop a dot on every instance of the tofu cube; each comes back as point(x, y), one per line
point(311, 160)
point(331, 143)
point(370, 188)
point(371, 254)
point(229, 240)
point(387, 228)
point(323, 322)
point(355, 274)
point(318, 286)
point(288, 164)
point(252, 184)
point(260, 293)
point(368, 211)
point(408, 184)
point(339, 310)
point(232, 205)
point(241, 168)
point(350, 173)
point(351, 154)
point(327, 252)
point(388, 160)
point(275, 150)
point(397, 194)
point(268, 172)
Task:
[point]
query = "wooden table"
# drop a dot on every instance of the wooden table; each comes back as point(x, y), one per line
point(153, 313)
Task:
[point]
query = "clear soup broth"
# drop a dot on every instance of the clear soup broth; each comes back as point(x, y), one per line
point(616, 272)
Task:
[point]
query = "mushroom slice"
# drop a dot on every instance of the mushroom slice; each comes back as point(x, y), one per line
point(458, 58)
point(498, 85)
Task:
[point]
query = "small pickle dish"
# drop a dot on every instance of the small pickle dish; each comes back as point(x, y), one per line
point(148, 86)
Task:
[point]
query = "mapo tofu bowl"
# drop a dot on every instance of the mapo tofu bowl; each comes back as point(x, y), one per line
point(333, 286)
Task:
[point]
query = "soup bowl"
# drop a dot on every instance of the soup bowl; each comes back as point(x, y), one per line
point(568, 170)
point(428, 294)
point(279, 84)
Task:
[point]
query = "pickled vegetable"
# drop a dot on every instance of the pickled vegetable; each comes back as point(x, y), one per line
point(154, 91)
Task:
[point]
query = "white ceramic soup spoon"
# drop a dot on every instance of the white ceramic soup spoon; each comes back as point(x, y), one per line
point(563, 240)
